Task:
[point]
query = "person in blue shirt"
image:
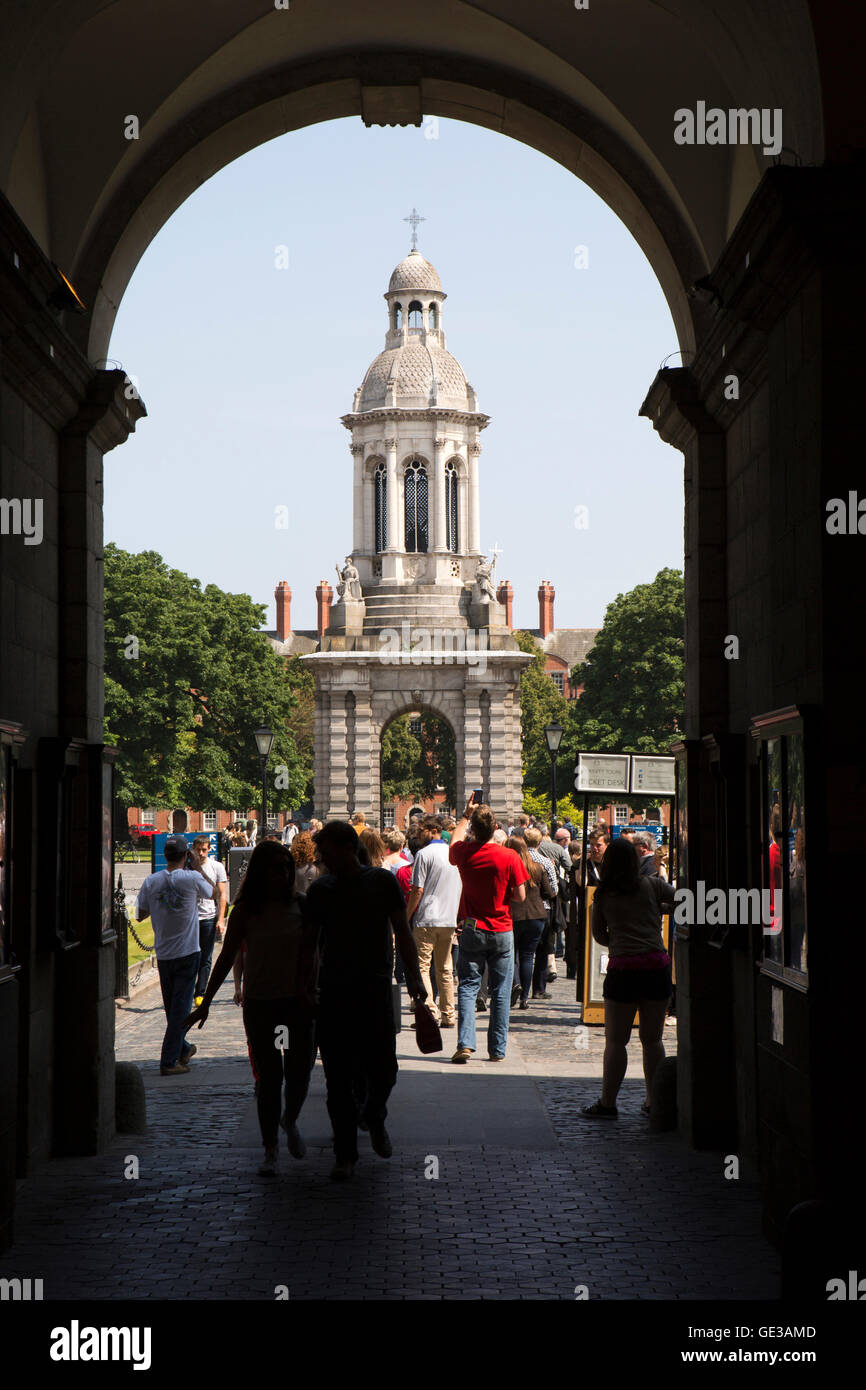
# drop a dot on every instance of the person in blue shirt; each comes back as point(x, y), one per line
point(170, 899)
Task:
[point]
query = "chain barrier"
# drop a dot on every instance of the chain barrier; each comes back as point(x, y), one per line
point(137, 939)
point(124, 928)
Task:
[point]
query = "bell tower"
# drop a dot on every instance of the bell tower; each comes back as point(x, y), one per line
point(415, 440)
point(417, 622)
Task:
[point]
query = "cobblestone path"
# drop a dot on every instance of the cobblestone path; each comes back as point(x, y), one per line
point(531, 1201)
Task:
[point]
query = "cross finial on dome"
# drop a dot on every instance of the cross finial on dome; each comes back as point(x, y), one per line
point(414, 218)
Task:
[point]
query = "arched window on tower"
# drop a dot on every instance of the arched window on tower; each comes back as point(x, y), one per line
point(433, 318)
point(379, 484)
point(452, 539)
point(416, 316)
point(398, 317)
point(415, 491)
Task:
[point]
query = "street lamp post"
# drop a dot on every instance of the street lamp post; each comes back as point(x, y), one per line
point(553, 733)
point(264, 739)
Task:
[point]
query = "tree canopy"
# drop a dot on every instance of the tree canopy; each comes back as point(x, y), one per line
point(540, 704)
point(417, 763)
point(634, 678)
point(188, 677)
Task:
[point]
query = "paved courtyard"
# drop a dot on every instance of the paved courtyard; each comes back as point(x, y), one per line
point(497, 1189)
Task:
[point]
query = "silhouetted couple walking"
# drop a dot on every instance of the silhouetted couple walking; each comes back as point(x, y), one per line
point(318, 969)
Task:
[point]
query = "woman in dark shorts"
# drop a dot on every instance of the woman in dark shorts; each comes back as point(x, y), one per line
point(626, 917)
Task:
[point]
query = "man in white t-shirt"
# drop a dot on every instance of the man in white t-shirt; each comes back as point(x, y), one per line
point(170, 899)
point(434, 898)
point(211, 911)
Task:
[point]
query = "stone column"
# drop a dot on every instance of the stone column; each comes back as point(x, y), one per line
point(321, 751)
point(500, 752)
point(706, 1081)
point(474, 534)
point(338, 758)
point(368, 510)
point(438, 498)
point(472, 751)
point(394, 521)
point(366, 749)
point(514, 780)
point(358, 538)
point(463, 511)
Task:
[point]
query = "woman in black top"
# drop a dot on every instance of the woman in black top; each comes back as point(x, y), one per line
point(626, 917)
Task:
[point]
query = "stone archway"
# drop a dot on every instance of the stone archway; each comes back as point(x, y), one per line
point(357, 695)
point(437, 733)
point(777, 247)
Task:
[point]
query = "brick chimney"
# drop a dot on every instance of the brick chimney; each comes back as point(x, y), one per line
point(505, 594)
point(324, 598)
point(546, 595)
point(283, 596)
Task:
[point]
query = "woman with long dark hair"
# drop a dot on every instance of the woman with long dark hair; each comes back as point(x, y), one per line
point(279, 957)
point(626, 917)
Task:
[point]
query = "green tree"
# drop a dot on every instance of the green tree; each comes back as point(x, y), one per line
point(539, 806)
point(634, 678)
point(540, 704)
point(188, 677)
point(401, 760)
point(438, 757)
point(418, 764)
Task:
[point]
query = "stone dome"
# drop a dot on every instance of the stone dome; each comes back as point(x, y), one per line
point(412, 369)
point(414, 273)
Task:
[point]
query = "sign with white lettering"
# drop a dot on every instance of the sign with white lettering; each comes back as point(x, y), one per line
point(652, 776)
point(602, 772)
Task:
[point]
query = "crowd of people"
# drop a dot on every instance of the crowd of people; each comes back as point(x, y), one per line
point(468, 915)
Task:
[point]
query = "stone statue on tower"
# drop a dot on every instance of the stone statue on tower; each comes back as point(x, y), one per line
point(348, 580)
point(484, 590)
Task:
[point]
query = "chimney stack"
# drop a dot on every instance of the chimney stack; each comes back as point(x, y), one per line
point(324, 597)
point(283, 596)
point(505, 594)
point(546, 595)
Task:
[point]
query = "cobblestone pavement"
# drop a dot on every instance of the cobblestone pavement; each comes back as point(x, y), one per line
point(531, 1201)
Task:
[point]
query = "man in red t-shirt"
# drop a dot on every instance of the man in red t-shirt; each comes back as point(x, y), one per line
point(493, 877)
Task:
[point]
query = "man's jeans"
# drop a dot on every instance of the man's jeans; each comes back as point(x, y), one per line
point(206, 939)
point(495, 949)
point(177, 978)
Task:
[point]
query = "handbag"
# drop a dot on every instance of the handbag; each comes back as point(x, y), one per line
point(427, 1034)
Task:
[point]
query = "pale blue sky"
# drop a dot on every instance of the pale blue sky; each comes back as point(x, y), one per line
point(245, 369)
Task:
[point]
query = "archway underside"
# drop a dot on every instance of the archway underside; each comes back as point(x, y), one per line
point(137, 204)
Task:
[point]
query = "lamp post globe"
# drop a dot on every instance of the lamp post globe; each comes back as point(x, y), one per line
point(553, 735)
point(264, 738)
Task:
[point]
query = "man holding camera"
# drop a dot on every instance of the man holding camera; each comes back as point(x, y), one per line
point(170, 899)
point(493, 878)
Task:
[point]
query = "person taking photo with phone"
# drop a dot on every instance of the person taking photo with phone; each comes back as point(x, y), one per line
point(493, 877)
